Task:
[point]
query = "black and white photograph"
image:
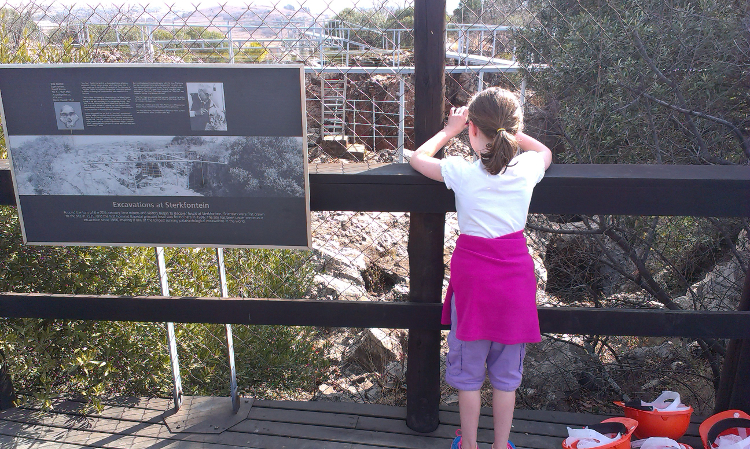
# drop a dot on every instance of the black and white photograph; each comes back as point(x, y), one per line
point(207, 110)
point(68, 115)
point(236, 166)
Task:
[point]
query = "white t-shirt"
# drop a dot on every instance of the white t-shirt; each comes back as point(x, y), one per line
point(492, 205)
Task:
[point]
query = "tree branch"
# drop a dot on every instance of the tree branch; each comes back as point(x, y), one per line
point(744, 141)
point(683, 104)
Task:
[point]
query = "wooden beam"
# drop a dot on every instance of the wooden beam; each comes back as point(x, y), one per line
point(734, 388)
point(678, 190)
point(364, 314)
point(426, 228)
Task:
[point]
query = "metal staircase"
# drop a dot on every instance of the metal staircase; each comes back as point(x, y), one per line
point(333, 93)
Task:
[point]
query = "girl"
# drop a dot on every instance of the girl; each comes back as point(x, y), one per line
point(491, 298)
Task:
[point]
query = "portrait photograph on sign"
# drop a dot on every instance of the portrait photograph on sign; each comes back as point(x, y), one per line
point(68, 115)
point(158, 155)
point(207, 112)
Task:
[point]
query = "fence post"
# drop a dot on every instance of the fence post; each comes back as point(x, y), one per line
point(734, 389)
point(426, 231)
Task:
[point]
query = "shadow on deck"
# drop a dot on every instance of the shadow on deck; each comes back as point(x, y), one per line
point(207, 422)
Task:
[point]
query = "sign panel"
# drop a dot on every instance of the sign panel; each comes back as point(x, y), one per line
point(163, 155)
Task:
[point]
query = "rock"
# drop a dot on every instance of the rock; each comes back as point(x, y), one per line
point(552, 369)
point(374, 393)
point(339, 273)
point(344, 263)
point(375, 248)
point(379, 280)
point(664, 351)
point(335, 146)
point(721, 288)
point(373, 349)
point(332, 287)
point(329, 394)
point(355, 152)
point(396, 370)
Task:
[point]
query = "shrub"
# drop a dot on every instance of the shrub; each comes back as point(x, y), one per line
point(90, 359)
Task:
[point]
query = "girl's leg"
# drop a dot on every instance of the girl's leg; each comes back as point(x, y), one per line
point(503, 403)
point(469, 404)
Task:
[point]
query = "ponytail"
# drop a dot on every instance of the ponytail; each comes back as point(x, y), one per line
point(497, 112)
point(499, 153)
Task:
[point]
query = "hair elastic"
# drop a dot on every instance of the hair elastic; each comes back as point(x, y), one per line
point(500, 129)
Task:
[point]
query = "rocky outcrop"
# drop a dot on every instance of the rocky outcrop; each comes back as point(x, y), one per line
point(720, 288)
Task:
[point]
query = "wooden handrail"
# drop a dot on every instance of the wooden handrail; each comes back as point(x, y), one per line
point(364, 314)
point(678, 190)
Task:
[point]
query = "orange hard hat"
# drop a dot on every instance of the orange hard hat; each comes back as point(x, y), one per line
point(658, 442)
point(653, 422)
point(610, 428)
point(728, 422)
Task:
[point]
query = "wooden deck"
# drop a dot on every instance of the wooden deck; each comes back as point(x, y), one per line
point(208, 423)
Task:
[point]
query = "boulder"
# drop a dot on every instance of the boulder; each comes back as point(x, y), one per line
point(373, 349)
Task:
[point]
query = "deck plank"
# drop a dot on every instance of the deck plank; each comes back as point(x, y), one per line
point(84, 438)
point(386, 411)
point(347, 421)
point(17, 442)
point(135, 414)
point(338, 434)
point(83, 430)
point(138, 423)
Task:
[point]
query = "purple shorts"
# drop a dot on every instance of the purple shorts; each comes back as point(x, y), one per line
point(469, 361)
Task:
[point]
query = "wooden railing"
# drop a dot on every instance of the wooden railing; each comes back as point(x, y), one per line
point(566, 189)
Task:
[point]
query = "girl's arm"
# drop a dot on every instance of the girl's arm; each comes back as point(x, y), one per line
point(423, 160)
point(528, 143)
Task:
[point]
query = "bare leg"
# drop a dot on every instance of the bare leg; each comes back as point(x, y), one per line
point(503, 403)
point(469, 404)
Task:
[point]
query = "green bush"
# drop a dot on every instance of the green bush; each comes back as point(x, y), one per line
point(93, 359)
point(617, 74)
point(252, 52)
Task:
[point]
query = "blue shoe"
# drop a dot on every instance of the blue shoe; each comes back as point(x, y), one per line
point(510, 445)
point(457, 441)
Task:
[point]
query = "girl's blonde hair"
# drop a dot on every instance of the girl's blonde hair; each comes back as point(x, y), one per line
point(498, 115)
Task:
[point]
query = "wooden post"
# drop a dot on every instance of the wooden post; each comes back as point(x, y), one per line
point(426, 231)
point(734, 388)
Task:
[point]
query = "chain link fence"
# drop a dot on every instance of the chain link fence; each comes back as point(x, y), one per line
point(654, 82)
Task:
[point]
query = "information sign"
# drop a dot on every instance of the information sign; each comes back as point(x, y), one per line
point(158, 154)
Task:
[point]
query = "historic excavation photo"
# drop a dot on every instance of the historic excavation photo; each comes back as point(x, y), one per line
point(236, 166)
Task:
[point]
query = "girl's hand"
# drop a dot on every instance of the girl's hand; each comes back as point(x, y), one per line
point(456, 121)
point(423, 160)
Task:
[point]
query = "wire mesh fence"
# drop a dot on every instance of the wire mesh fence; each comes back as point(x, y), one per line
point(607, 81)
